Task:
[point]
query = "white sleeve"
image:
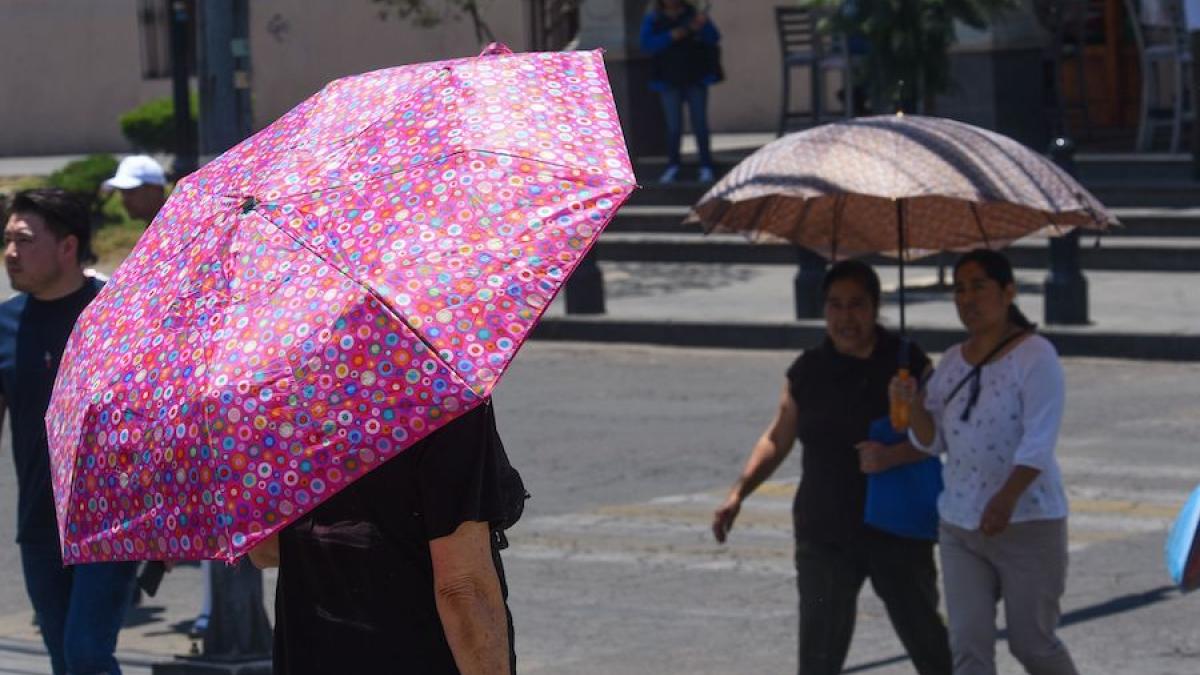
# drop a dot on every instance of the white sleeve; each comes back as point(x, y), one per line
point(937, 447)
point(1043, 392)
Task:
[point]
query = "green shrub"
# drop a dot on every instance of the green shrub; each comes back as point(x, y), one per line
point(150, 127)
point(84, 176)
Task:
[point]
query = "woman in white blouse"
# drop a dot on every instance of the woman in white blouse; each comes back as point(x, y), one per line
point(994, 406)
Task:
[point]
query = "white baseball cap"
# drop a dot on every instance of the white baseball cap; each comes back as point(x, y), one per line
point(135, 171)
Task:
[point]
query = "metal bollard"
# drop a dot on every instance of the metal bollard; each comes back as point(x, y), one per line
point(1066, 289)
point(238, 639)
point(807, 284)
point(585, 288)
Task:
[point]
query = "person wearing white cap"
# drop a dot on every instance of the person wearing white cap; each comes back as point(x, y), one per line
point(143, 186)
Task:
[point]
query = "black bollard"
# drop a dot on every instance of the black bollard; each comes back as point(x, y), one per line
point(238, 638)
point(807, 284)
point(585, 288)
point(1066, 290)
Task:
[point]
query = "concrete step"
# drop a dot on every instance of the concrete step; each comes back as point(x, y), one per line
point(1136, 166)
point(1118, 180)
point(1162, 254)
point(1113, 193)
point(1089, 166)
point(1135, 221)
point(801, 334)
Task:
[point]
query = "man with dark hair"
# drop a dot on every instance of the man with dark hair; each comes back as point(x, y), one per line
point(80, 609)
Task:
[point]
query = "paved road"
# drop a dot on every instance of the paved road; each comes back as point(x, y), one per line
point(626, 450)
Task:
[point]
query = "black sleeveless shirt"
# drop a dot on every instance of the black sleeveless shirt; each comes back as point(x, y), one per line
point(838, 397)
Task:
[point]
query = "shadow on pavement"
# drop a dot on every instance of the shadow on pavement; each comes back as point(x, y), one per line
point(1117, 605)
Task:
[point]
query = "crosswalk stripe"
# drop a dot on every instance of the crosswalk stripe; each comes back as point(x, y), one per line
point(673, 530)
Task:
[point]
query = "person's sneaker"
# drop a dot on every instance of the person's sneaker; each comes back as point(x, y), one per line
point(199, 626)
point(705, 175)
point(669, 175)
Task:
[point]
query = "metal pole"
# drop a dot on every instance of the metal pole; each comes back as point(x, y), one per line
point(223, 55)
point(185, 130)
point(585, 287)
point(900, 267)
point(807, 284)
point(1066, 289)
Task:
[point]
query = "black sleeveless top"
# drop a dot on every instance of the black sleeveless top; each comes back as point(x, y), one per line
point(355, 591)
point(838, 397)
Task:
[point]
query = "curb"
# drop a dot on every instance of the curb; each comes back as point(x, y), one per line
point(801, 334)
point(125, 658)
point(1121, 256)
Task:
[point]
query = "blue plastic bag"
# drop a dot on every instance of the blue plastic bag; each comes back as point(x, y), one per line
point(903, 500)
point(1182, 549)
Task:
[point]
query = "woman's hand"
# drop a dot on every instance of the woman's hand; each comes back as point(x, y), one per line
point(997, 513)
point(680, 33)
point(266, 553)
point(724, 516)
point(874, 457)
point(905, 389)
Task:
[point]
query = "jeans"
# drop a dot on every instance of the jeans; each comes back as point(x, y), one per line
point(903, 574)
point(696, 98)
point(80, 608)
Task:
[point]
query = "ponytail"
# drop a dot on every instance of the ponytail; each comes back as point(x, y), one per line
point(1018, 318)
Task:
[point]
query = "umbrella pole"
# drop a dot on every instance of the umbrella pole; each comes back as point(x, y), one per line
point(900, 267)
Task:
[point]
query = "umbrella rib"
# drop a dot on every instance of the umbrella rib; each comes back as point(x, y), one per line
point(979, 223)
point(373, 293)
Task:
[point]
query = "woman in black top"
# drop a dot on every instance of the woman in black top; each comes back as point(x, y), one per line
point(400, 572)
point(832, 395)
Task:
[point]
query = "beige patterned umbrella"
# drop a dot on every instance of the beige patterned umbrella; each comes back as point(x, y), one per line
point(897, 183)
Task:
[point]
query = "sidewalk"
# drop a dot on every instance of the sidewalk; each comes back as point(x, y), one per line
point(155, 632)
point(1143, 315)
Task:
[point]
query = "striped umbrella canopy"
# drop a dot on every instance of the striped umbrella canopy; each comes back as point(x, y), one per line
point(900, 185)
point(866, 185)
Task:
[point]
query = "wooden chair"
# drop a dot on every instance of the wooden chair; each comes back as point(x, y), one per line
point(805, 47)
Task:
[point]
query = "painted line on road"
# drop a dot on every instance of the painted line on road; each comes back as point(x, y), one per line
point(674, 530)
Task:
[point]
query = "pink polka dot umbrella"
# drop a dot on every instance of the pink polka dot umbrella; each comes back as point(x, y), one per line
point(324, 295)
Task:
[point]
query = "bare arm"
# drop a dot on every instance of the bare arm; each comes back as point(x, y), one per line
point(266, 553)
point(875, 457)
point(469, 601)
point(768, 453)
point(919, 419)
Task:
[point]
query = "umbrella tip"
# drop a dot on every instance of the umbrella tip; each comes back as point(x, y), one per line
point(496, 49)
point(248, 205)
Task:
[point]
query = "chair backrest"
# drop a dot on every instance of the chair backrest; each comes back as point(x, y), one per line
point(1158, 23)
point(799, 32)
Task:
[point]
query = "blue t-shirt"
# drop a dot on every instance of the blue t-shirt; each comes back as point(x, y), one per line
point(33, 335)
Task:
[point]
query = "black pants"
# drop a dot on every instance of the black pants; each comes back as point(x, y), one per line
point(902, 572)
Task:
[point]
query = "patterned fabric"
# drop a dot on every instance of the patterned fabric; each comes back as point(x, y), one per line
point(840, 190)
point(1015, 422)
point(326, 294)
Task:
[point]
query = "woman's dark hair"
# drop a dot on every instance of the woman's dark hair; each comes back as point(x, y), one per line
point(657, 6)
point(65, 215)
point(995, 266)
point(852, 270)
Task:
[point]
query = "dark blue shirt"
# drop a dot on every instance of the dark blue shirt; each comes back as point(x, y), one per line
point(33, 335)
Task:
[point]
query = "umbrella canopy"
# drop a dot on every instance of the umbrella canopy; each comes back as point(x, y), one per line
point(326, 294)
point(844, 189)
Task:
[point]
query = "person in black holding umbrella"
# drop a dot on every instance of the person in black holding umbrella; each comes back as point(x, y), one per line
point(832, 395)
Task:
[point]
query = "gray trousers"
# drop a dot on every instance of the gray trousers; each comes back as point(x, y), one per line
point(1026, 565)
